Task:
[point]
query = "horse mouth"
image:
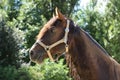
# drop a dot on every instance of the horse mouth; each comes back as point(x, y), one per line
point(37, 59)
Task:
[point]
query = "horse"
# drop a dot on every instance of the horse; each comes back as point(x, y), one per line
point(86, 59)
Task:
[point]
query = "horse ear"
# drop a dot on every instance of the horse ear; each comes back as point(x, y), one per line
point(59, 14)
point(53, 15)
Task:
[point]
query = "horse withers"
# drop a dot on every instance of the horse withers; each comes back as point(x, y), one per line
point(86, 59)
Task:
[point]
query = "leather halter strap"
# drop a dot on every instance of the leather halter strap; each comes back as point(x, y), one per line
point(63, 40)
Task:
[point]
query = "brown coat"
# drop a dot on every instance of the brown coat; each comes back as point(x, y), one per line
point(88, 60)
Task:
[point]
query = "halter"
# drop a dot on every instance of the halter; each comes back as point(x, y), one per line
point(63, 40)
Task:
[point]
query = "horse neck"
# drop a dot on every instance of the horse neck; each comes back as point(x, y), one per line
point(84, 54)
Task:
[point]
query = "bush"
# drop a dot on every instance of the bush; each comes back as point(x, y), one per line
point(46, 71)
point(49, 71)
point(54, 71)
point(7, 73)
point(10, 40)
point(11, 73)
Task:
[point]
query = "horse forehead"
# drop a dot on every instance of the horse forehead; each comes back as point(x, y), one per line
point(50, 22)
point(45, 27)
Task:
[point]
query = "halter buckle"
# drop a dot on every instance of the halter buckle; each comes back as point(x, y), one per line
point(67, 29)
point(47, 48)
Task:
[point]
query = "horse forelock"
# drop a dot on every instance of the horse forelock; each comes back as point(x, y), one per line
point(52, 22)
point(46, 27)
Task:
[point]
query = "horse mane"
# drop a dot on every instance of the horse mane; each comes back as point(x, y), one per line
point(96, 43)
point(77, 29)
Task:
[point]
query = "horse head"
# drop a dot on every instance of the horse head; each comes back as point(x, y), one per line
point(51, 39)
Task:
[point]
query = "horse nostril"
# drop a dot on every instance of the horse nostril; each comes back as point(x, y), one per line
point(31, 53)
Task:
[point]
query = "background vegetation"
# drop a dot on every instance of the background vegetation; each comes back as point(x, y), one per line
point(21, 20)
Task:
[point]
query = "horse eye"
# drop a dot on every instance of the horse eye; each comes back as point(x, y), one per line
point(52, 29)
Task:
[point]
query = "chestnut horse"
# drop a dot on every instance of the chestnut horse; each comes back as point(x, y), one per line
point(86, 59)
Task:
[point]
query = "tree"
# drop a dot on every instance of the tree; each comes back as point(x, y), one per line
point(11, 7)
point(113, 19)
point(10, 40)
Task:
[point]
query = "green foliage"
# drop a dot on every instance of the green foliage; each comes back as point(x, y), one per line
point(113, 19)
point(10, 43)
point(11, 73)
point(54, 71)
point(49, 71)
point(11, 7)
point(46, 71)
point(8, 73)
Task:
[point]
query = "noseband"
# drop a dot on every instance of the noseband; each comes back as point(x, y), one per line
point(63, 40)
